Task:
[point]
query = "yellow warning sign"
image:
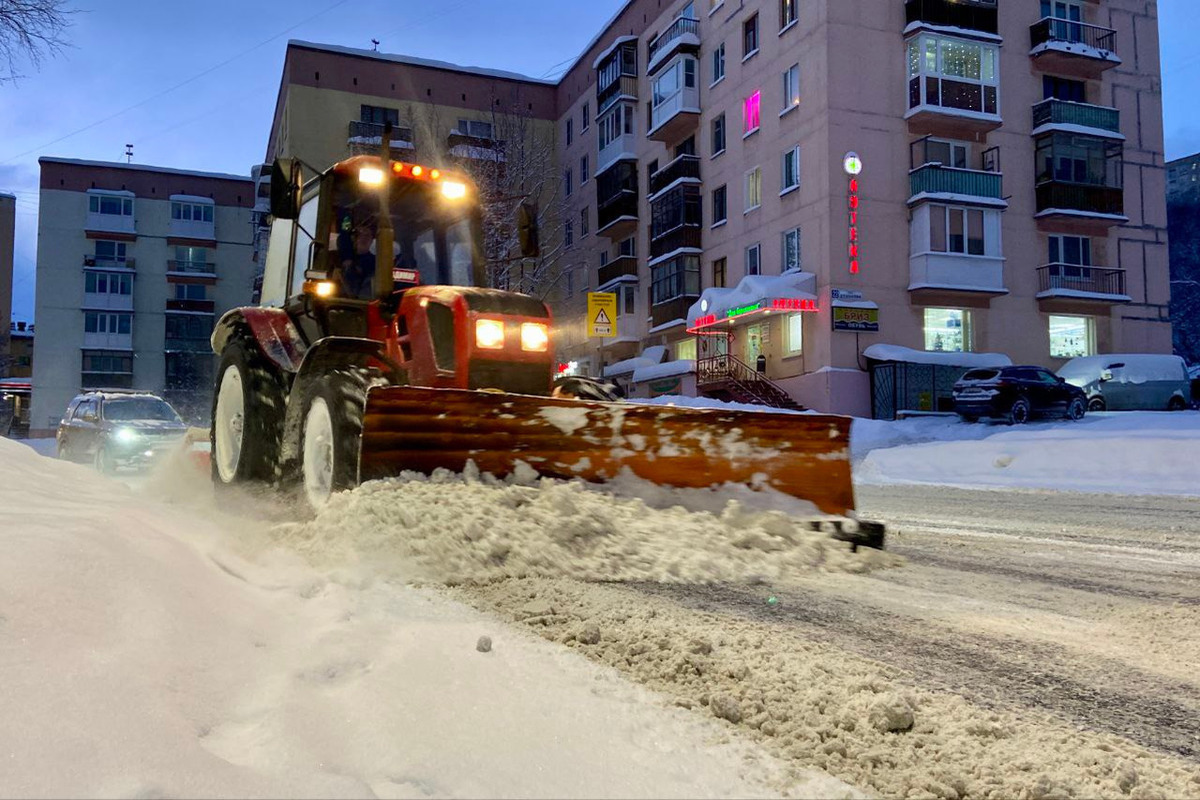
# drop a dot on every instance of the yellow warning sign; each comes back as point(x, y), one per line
point(602, 314)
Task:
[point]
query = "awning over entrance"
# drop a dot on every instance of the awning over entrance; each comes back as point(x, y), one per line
point(755, 295)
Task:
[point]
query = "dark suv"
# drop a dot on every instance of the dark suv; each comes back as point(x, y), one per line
point(1017, 394)
point(112, 430)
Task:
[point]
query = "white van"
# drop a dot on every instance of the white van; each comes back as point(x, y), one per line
point(1128, 382)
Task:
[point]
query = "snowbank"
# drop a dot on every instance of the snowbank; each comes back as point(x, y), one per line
point(893, 352)
point(1126, 453)
point(140, 657)
point(667, 369)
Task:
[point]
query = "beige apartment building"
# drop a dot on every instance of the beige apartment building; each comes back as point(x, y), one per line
point(829, 202)
point(134, 264)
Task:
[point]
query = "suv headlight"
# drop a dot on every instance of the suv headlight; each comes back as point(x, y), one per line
point(126, 435)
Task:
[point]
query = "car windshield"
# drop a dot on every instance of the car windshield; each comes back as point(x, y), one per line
point(128, 409)
point(980, 375)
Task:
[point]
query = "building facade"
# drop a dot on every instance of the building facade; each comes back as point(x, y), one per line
point(8, 219)
point(134, 265)
point(771, 187)
point(1183, 222)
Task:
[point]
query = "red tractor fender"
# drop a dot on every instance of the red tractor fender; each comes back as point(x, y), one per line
point(271, 329)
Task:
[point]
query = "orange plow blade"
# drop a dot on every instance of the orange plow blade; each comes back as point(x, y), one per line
point(803, 455)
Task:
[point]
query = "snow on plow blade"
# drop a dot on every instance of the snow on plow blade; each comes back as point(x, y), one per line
point(803, 455)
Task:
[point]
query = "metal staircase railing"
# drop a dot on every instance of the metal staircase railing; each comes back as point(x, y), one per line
point(729, 372)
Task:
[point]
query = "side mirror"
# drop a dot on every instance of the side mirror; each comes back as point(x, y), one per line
point(285, 188)
point(1106, 375)
point(527, 229)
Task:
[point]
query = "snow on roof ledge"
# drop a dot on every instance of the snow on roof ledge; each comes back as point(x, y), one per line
point(668, 369)
point(894, 352)
point(751, 289)
point(620, 40)
point(650, 357)
point(419, 62)
point(141, 168)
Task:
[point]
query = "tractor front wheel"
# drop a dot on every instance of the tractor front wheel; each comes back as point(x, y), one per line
point(332, 436)
point(247, 417)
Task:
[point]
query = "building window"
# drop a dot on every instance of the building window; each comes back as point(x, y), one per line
point(191, 291)
point(753, 189)
point(568, 182)
point(749, 37)
point(108, 283)
point(670, 85)
point(787, 13)
point(719, 267)
point(718, 134)
point(679, 277)
point(720, 205)
point(1072, 337)
point(795, 334)
point(791, 170)
point(583, 222)
point(791, 249)
point(952, 73)
point(615, 124)
point(751, 113)
point(569, 234)
point(194, 212)
point(718, 63)
point(102, 322)
point(628, 247)
point(475, 128)
point(100, 363)
point(628, 298)
point(754, 259)
point(960, 230)
point(115, 205)
point(583, 170)
point(1087, 160)
point(948, 330)
point(675, 209)
point(111, 252)
point(685, 350)
point(1073, 250)
point(570, 131)
point(1063, 89)
point(791, 87)
point(585, 117)
point(189, 327)
point(378, 115)
point(190, 259)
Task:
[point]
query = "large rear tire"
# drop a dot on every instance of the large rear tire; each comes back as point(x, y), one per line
point(331, 441)
point(247, 417)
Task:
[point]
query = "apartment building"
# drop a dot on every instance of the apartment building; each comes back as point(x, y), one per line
point(772, 187)
point(1183, 223)
point(135, 263)
point(8, 220)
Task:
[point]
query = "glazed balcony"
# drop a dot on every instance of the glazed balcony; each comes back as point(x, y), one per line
point(685, 168)
point(1076, 282)
point(1074, 49)
point(682, 35)
point(203, 306)
point(192, 267)
point(1063, 199)
point(620, 267)
point(617, 216)
point(972, 15)
point(672, 310)
point(625, 87)
point(1053, 114)
point(682, 237)
point(675, 116)
point(366, 137)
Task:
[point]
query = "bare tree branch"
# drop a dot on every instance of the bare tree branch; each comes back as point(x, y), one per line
point(30, 30)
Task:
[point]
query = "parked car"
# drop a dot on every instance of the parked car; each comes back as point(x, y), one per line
point(119, 430)
point(1017, 395)
point(1131, 382)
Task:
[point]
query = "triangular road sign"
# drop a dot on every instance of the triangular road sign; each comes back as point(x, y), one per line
point(602, 318)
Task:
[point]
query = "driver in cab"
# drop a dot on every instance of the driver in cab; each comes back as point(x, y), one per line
point(356, 257)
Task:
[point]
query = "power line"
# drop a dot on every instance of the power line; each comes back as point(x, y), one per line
point(179, 85)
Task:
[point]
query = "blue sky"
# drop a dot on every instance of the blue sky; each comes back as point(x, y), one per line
point(120, 77)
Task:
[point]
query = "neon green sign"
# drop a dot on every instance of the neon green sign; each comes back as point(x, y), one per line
point(737, 312)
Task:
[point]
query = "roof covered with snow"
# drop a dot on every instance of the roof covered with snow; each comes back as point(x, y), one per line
point(141, 168)
point(752, 289)
point(418, 62)
point(667, 369)
point(894, 352)
point(649, 357)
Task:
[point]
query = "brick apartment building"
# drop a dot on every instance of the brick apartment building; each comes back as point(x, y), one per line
point(134, 265)
point(782, 184)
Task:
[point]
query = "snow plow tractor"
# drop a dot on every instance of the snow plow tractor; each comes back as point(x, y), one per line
point(378, 348)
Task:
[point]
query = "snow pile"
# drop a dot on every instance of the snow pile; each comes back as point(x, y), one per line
point(1125, 453)
point(893, 352)
point(466, 529)
point(752, 289)
point(140, 658)
point(819, 706)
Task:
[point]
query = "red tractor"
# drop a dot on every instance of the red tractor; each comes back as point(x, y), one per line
point(378, 349)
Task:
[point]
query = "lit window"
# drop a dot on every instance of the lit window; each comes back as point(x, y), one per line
point(787, 13)
point(947, 330)
point(795, 333)
point(753, 189)
point(952, 73)
point(791, 87)
point(754, 260)
point(751, 113)
point(1072, 337)
point(791, 170)
point(686, 350)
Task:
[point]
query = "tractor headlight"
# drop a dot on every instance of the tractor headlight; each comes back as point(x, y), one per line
point(126, 435)
point(489, 334)
point(453, 190)
point(371, 176)
point(535, 337)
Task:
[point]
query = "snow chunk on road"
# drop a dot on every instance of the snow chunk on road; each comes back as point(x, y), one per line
point(454, 529)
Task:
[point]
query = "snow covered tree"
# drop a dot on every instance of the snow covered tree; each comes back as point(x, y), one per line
point(29, 31)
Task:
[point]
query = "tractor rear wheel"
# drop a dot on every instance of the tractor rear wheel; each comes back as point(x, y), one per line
point(331, 440)
point(247, 417)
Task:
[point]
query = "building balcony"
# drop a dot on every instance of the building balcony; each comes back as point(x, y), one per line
point(685, 237)
point(178, 345)
point(621, 267)
point(625, 87)
point(122, 226)
point(937, 182)
point(192, 267)
point(617, 216)
point(1073, 282)
point(674, 310)
point(203, 306)
point(1062, 200)
point(113, 264)
point(684, 169)
point(675, 116)
point(970, 15)
point(956, 273)
point(1073, 49)
point(474, 148)
point(108, 341)
point(1063, 115)
point(682, 35)
point(107, 301)
point(366, 138)
point(952, 109)
point(621, 148)
point(192, 229)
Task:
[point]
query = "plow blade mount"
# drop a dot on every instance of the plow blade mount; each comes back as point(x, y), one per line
point(803, 455)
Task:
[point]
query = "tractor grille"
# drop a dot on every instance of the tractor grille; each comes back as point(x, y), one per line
point(510, 377)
